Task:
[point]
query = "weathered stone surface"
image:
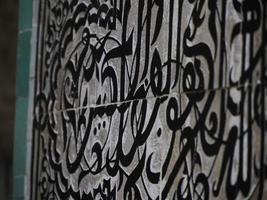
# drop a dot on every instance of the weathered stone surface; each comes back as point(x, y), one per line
point(150, 100)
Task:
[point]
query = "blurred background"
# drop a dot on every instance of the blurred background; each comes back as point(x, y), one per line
point(8, 57)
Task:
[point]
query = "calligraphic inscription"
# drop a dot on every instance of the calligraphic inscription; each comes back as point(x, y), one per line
point(150, 99)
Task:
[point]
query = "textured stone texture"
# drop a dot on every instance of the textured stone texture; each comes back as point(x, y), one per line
point(149, 100)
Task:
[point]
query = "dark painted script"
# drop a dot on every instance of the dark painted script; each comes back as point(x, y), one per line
point(150, 99)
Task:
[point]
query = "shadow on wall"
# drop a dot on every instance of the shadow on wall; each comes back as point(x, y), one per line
point(8, 57)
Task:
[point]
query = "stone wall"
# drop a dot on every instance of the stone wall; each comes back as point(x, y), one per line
point(149, 99)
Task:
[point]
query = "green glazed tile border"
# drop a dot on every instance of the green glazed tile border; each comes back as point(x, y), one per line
point(20, 139)
point(23, 65)
point(25, 15)
point(19, 185)
point(22, 93)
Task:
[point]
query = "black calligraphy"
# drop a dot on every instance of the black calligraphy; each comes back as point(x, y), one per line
point(150, 99)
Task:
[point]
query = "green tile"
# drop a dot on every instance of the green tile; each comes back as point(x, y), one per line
point(23, 65)
point(20, 141)
point(25, 15)
point(18, 187)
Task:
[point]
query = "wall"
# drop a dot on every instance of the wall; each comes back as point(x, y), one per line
point(9, 20)
point(149, 100)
